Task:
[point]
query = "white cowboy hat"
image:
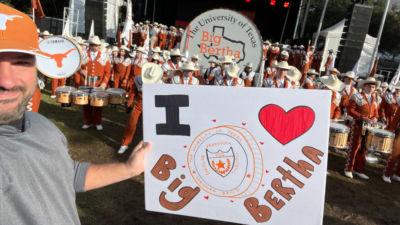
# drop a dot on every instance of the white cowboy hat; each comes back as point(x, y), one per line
point(294, 74)
point(183, 59)
point(104, 42)
point(134, 46)
point(226, 59)
point(180, 29)
point(114, 49)
point(312, 71)
point(140, 23)
point(301, 46)
point(151, 73)
point(369, 80)
point(38, 31)
point(285, 53)
point(276, 43)
point(384, 84)
point(188, 66)
point(350, 74)
point(379, 90)
point(155, 57)
point(175, 52)
point(213, 60)
point(155, 23)
point(46, 33)
point(233, 70)
point(146, 21)
point(133, 54)
point(334, 70)
point(312, 46)
point(95, 40)
point(157, 49)
point(274, 64)
point(196, 57)
point(123, 47)
point(249, 64)
point(332, 82)
point(294, 46)
point(284, 65)
point(141, 50)
point(266, 42)
point(136, 25)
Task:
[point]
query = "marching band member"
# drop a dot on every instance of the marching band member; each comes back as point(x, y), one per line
point(306, 63)
point(46, 34)
point(298, 57)
point(294, 76)
point(265, 49)
point(317, 61)
point(328, 61)
point(178, 39)
point(121, 68)
point(186, 75)
point(270, 71)
point(279, 80)
point(156, 60)
point(292, 55)
point(162, 37)
point(348, 91)
point(335, 85)
point(231, 78)
point(363, 108)
point(388, 107)
point(273, 53)
point(211, 70)
point(195, 60)
point(284, 56)
point(143, 35)
point(173, 64)
point(153, 37)
point(136, 34)
point(309, 81)
point(394, 157)
point(248, 74)
point(171, 36)
point(224, 62)
point(137, 64)
point(156, 51)
point(151, 74)
point(384, 87)
point(95, 63)
point(334, 71)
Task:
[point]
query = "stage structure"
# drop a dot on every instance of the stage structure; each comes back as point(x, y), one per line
point(71, 16)
point(301, 19)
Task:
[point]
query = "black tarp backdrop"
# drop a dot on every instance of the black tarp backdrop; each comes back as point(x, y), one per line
point(269, 19)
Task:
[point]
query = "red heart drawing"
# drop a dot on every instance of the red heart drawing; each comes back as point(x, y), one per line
point(267, 171)
point(231, 200)
point(214, 121)
point(263, 185)
point(285, 127)
point(185, 146)
point(244, 124)
point(261, 143)
point(206, 197)
point(183, 166)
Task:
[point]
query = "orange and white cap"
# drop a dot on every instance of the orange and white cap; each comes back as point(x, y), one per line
point(18, 33)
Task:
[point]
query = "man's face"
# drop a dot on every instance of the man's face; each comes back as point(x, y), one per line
point(348, 81)
point(385, 88)
point(187, 73)
point(312, 76)
point(122, 52)
point(249, 69)
point(18, 82)
point(282, 72)
point(212, 64)
point(115, 53)
point(46, 36)
point(369, 88)
point(175, 59)
point(94, 48)
point(397, 91)
point(138, 55)
point(195, 60)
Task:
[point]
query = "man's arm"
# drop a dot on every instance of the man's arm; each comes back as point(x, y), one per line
point(98, 176)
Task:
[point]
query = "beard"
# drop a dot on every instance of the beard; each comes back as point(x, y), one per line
point(18, 111)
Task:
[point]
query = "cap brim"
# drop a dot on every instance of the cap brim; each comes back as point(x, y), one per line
point(17, 46)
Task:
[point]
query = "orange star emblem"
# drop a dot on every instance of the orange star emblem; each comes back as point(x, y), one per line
point(220, 165)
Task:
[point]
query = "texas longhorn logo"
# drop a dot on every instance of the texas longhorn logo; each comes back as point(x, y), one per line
point(221, 162)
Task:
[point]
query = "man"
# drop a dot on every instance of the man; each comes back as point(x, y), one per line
point(347, 92)
point(186, 76)
point(225, 62)
point(195, 60)
point(292, 55)
point(95, 63)
point(270, 71)
point(171, 66)
point(162, 37)
point(317, 61)
point(394, 157)
point(46, 34)
point(309, 81)
point(363, 108)
point(179, 38)
point(273, 53)
point(284, 56)
point(294, 76)
point(266, 47)
point(335, 85)
point(298, 57)
point(384, 87)
point(334, 71)
point(328, 61)
point(156, 51)
point(136, 34)
point(279, 80)
point(248, 74)
point(39, 179)
point(151, 74)
point(153, 37)
point(388, 106)
point(209, 80)
point(231, 77)
point(171, 36)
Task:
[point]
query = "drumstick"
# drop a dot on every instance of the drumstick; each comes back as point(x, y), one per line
point(86, 76)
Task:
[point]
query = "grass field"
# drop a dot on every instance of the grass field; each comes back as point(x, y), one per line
point(347, 201)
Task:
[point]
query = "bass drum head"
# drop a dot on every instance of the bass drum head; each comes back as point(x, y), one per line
point(65, 57)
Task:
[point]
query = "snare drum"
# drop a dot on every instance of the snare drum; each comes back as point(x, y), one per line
point(338, 135)
point(98, 89)
point(99, 99)
point(64, 94)
point(380, 140)
point(379, 125)
point(85, 88)
point(117, 96)
point(345, 120)
point(81, 97)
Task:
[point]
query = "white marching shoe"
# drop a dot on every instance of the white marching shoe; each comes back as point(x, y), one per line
point(361, 175)
point(348, 174)
point(122, 149)
point(86, 126)
point(99, 127)
point(53, 96)
point(386, 179)
point(340, 151)
point(396, 178)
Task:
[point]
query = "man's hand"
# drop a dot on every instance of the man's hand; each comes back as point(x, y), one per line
point(83, 72)
point(374, 120)
point(103, 85)
point(335, 120)
point(369, 121)
point(135, 162)
point(124, 81)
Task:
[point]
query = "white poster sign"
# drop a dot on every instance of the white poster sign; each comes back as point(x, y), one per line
point(242, 155)
point(220, 32)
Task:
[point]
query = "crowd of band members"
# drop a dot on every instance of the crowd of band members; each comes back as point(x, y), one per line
point(366, 101)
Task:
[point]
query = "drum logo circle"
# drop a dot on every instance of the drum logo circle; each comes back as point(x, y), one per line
point(226, 161)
